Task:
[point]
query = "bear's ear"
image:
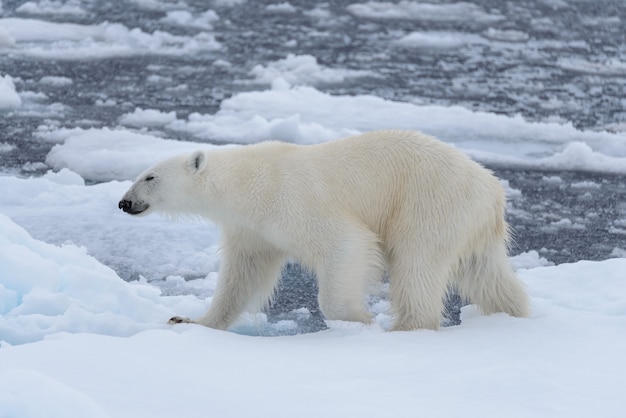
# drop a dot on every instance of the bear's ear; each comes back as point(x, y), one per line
point(197, 161)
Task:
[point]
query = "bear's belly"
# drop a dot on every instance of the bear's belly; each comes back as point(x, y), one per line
point(275, 235)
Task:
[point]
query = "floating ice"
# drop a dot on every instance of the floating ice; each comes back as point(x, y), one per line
point(320, 12)
point(228, 3)
point(51, 7)
point(305, 115)
point(161, 5)
point(184, 18)
point(506, 35)
point(56, 81)
point(9, 99)
point(284, 7)
point(490, 138)
point(6, 40)
point(428, 40)
point(147, 118)
point(303, 70)
point(413, 10)
point(528, 260)
point(612, 67)
point(105, 154)
point(4, 147)
point(70, 41)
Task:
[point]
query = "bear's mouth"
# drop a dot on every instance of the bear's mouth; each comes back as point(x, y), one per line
point(138, 211)
point(133, 208)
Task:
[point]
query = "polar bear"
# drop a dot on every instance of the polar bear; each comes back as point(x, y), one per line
point(386, 203)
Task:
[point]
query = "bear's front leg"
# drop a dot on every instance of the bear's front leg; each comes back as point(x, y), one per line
point(250, 269)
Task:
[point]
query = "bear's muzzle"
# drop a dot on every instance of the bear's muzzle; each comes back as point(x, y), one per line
point(130, 208)
point(125, 205)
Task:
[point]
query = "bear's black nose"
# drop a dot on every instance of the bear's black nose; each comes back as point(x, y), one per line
point(125, 205)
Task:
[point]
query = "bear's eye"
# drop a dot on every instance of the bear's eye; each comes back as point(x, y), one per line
point(149, 178)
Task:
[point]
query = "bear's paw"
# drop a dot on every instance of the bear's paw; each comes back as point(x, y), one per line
point(179, 320)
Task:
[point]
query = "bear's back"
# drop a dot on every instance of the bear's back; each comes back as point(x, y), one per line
point(379, 174)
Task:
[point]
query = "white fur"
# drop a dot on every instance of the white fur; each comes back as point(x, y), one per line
point(388, 201)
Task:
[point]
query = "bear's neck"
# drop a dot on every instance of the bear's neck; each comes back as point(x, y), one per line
point(234, 190)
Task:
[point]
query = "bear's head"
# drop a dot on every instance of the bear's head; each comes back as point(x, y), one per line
point(166, 187)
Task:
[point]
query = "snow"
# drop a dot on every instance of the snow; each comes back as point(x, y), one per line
point(82, 321)
point(47, 289)
point(18, 388)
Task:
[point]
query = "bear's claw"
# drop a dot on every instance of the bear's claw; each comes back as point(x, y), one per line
point(179, 320)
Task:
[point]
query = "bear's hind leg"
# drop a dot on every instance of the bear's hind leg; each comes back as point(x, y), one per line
point(348, 272)
point(488, 280)
point(418, 285)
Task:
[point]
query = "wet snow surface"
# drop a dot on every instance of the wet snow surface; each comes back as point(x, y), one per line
point(92, 92)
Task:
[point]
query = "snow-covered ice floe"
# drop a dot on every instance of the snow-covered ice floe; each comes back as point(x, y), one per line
point(99, 346)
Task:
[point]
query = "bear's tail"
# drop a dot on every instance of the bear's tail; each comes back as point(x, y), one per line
point(487, 279)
